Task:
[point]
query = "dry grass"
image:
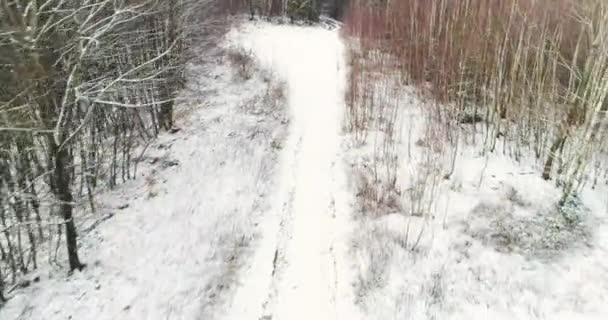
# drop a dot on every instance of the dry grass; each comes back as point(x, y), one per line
point(372, 120)
point(243, 61)
point(530, 73)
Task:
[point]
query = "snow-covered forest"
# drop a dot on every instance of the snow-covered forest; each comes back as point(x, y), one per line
point(303, 159)
point(84, 85)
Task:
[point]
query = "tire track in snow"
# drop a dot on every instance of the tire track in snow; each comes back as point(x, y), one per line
point(306, 288)
point(303, 255)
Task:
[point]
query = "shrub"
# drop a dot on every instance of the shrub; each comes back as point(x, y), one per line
point(303, 10)
point(295, 9)
point(243, 61)
point(534, 70)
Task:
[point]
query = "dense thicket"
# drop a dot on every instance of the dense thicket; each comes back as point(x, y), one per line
point(523, 77)
point(83, 84)
point(295, 9)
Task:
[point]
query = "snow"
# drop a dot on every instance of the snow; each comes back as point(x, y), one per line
point(313, 200)
point(175, 252)
point(491, 245)
point(259, 208)
point(236, 217)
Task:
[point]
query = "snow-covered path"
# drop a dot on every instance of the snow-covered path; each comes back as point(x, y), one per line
point(309, 276)
point(232, 220)
point(308, 287)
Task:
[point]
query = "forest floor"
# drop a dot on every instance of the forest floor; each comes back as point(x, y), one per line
point(252, 211)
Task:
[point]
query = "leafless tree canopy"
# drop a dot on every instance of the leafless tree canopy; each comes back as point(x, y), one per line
point(83, 84)
point(532, 83)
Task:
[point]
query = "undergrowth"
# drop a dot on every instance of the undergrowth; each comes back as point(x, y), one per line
point(520, 77)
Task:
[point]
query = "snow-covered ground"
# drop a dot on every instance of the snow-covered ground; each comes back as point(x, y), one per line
point(243, 214)
point(259, 209)
point(489, 242)
point(193, 214)
point(310, 274)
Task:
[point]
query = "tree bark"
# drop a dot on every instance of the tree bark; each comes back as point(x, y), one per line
point(548, 168)
point(2, 298)
point(168, 89)
point(64, 194)
point(166, 111)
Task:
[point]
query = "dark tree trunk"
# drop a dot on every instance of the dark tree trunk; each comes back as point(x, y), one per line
point(166, 111)
point(2, 298)
point(276, 7)
point(548, 168)
point(169, 61)
point(338, 8)
point(63, 192)
point(2, 253)
point(251, 10)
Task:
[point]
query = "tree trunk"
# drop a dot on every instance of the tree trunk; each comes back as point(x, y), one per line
point(251, 10)
point(168, 88)
point(64, 195)
point(166, 111)
point(276, 7)
point(2, 298)
point(548, 168)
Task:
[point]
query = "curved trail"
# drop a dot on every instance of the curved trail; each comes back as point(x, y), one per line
point(301, 271)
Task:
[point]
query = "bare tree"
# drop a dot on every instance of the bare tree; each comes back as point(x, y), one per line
point(82, 85)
